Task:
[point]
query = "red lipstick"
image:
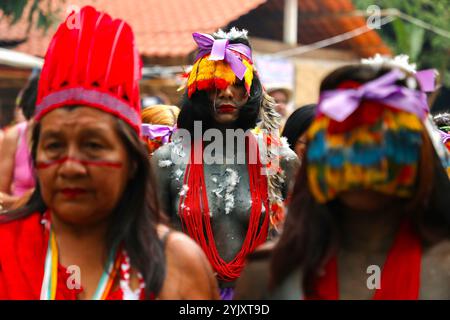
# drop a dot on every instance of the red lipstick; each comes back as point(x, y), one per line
point(226, 108)
point(72, 192)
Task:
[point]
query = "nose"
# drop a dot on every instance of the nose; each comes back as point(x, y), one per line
point(226, 93)
point(72, 167)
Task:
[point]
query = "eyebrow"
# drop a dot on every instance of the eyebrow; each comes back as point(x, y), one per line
point(94, 131)
point(51, 133)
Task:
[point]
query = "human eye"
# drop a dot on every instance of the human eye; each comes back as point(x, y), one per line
point(53, 148)
point(53, 145)
point(238, 83)
point(94, 145)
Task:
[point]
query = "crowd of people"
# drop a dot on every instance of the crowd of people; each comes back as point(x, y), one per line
point(229, 195)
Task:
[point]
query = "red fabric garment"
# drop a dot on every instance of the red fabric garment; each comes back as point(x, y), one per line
point(22, 254)
point(22, 258)
point(400, 276)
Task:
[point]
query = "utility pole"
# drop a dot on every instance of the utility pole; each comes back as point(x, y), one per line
point(290, 25)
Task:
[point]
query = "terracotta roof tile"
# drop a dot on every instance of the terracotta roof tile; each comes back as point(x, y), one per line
point(318, 20)
point(162, 27)
point(366, 44)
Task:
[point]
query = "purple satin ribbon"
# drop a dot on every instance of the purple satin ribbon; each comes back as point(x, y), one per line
point(444, 136)
point(427, 79)
point(221, 49)
point(339, 104)
point(153, 131)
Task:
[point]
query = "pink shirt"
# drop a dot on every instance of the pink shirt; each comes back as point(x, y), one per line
point(23, 178)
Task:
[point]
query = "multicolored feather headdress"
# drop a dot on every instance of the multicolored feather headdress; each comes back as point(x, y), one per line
point(366, 137)
point(428, 80)
point(219, 63)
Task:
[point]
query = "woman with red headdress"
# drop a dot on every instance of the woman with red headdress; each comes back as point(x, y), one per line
point(92, 228)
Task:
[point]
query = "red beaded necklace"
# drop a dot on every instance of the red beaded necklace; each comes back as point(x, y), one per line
point(196, 220)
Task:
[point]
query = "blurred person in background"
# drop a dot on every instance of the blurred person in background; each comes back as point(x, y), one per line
point(296, 126)
point(369, 215)
point(282, 96)
point(16, 171)
point(158, 124)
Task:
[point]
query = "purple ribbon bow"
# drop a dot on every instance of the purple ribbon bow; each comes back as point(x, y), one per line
point(339, 104)
point(221, 49)
point(427, 79)
point(153, 131)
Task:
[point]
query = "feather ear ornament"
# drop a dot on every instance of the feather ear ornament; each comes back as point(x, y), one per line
point(269, 132)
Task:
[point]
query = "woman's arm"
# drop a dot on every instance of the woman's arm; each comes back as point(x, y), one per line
point(7, 157)
point(290, 164)
point(162, 175)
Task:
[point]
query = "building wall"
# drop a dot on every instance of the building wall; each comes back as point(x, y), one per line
point(309, 75)
point(12, 81)
point(310, 67)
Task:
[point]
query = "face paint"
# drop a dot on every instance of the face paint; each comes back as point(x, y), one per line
point(88, 189)
point(97, 163)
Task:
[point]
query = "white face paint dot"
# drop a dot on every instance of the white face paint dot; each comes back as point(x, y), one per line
point(164, 163)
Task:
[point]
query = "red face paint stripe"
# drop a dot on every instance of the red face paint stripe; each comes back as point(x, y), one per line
point(102, 163)
point(98, 163)
point(46, 164)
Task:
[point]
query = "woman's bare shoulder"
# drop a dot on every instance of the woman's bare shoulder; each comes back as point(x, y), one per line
point(440, 254)
point(435, 282)
point(189, 274)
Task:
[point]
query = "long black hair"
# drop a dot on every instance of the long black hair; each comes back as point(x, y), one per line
point(310, 232)
point(27, 97)
point(198, 107)
point(298, 122)
point(134, 220)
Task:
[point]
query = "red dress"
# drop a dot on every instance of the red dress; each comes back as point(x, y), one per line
point(23, 247)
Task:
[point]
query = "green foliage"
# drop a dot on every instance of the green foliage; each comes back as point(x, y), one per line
point(13, 8)
point(426, 48)
point(40, 14)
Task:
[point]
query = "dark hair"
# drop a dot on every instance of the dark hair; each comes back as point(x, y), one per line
point(27, 97)
point(310, 231)
point(133, 221)
point(298, 122)
point(198, 107)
